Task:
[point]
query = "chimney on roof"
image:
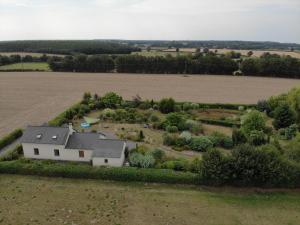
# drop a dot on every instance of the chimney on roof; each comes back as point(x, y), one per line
point(71, 130)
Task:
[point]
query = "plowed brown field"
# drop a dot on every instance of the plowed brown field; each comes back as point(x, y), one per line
point(34, 98)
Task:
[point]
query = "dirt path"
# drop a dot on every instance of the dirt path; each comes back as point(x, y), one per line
point(34, 97)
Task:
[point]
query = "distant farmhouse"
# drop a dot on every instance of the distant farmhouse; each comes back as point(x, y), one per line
point(65, 144)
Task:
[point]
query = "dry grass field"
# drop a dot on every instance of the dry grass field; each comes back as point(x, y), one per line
point(36, 97)
point(47, 201)
point(256, 53)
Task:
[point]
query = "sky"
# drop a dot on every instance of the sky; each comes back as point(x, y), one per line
point(252, 20)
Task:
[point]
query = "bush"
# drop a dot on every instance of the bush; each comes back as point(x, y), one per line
point(214, 167)
point(154, 118)
point(167, 105)
point(263, 106)
point(175, 119)
point(201, 144)
point(140, 160)
point(10, 138)
point(257, 138)
point(187, 136)
point(169, 139)
point(253, 121)
point(221, 140)
point(262, 167)
point(238, 137)
point(177, 165)
point(111, 100)
point(172, 129)
point(159, 155)
point(13, 154)
point(194, 126)
point(284, 116)
point(291, 131)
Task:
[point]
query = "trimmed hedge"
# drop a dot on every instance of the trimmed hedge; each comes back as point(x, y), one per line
point(41, 168)
point(13, 154)
point(223, 123)
point(225, 106)
point(10, 138)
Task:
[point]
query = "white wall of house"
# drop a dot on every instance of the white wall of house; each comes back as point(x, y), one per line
point(114, 162)
point(46, 151)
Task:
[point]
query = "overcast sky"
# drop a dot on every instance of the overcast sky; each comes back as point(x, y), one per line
point(255, 20)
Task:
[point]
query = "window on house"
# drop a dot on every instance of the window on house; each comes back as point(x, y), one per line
point(81, 154)
point(56, 152)
point(106, 160)
point(36, 151)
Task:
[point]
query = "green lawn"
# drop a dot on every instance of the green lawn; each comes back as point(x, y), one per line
point(41, 66)
point(37, 200)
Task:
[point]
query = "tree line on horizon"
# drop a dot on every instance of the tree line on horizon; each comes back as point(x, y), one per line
point(68, 47)
point(271, 65)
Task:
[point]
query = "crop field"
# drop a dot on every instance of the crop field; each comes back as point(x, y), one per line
point(256, 53)
point(37, 200)
point(40, 66)
point(36, 97)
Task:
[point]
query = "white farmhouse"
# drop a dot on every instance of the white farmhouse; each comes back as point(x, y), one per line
point(63, 143)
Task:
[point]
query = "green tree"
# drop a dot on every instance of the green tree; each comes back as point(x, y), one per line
point(253, 121)
point(284, 116)
point(167, 105)
point(111, 100)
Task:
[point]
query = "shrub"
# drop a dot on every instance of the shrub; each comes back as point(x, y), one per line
point(159, 155)
point(194, 126)
point(214, 167)
point(292, 150)
point(13, 154)
point(257, 138)
point(154, 118)
point(169, 139)
point(284, 116)
point(108, 113)
point(187, 106)
point(252, 121)
point(201, 144)
point(172, 129)
point(291, 131)
point(167, 105)
point(262, 167)
point(111, 100)
point(187, 136)
point(175, 119)
point(221, 140)
point(238, 137)
point(10, 138)
point(143, 161)
point(263, 106)
point(145, 105)
point(178, 165)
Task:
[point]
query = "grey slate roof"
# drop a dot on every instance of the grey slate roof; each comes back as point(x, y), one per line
point(46, 132)
point(106, 148)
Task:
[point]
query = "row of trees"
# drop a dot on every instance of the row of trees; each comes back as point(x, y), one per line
point(272, 65)
point(267, 65)
point(209, 64)
point(5, 60)
point(68, 47)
